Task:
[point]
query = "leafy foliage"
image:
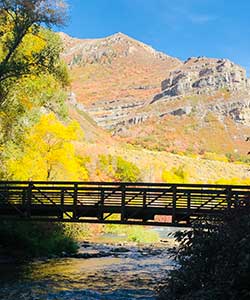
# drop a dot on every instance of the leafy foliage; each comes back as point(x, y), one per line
point(30, 97)
point(106, 164)
point(119, 169)
point(179, 174)
point(81, 231)
point(126, 171)
point(37, 89)
point(234, 157)
point(48, 153)
point(18, 239)
point(214, 262)
point(25, 47)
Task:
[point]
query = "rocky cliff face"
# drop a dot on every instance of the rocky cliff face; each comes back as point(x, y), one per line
point(220, 81)
point(204, 76)
point(198, 86)
point(204, 105)
point(126, 86)
point(115, 68)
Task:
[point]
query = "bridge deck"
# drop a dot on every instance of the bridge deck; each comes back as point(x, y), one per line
point(118, 203)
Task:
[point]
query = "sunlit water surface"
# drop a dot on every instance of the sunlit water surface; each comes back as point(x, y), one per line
point(129, 275)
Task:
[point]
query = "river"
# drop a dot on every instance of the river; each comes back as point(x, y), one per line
point(123, 272)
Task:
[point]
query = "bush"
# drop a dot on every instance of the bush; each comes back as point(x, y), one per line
point(117, 168)
point(179, 174)
point(28, 239)
point(215, 156)
point(214, 262)
point(80, 231)
point(236, 157)
point(126, 171)
point(106, 164)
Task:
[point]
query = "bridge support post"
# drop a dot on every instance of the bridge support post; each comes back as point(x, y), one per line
point(24, 197)
point(123, 208)
point(62, 203)
point(29, 200)
point(101, 205)
point(188, 207)
point(75, 201)
point(174, 188)
point(144, 206)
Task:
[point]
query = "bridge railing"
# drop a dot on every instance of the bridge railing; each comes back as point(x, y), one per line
point(131, 200)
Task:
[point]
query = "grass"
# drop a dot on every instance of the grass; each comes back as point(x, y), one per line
point(137, 234)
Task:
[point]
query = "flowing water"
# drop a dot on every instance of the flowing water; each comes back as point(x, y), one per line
point(124, 272)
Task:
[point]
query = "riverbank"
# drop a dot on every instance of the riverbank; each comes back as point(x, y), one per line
point(27, 240)
point(113, 269)
point(92, 248)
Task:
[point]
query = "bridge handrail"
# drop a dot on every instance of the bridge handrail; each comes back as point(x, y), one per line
point(127, 184)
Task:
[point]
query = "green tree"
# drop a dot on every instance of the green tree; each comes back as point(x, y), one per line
point(126, 171)
point(32, 75)
point(21, 22)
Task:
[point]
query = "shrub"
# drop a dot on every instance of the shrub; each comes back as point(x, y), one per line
point(235, 157)
point(79, 231)
point(215, 156)
point(126, 171)
point(178, 174)
point(27, 239)
point(214, 262)
point(106, 164)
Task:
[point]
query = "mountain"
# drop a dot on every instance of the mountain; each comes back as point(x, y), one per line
point(204, 105)
point(116, 66)
point(114, 75)
point(159, 102)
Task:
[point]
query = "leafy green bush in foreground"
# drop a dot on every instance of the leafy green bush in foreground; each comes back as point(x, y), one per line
point(214, 262)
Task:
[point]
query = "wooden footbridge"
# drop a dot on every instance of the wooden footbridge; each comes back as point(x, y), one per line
point(118, 203)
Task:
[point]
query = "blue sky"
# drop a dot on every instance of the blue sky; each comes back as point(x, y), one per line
point(180, 28)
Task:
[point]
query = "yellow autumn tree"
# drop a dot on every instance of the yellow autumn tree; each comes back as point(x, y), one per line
point(49, 153)
point(180, 174)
